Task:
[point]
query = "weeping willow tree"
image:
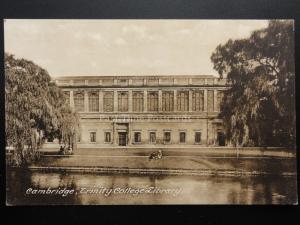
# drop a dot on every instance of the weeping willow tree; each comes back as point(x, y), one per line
point(35, 109)
point(259, 108)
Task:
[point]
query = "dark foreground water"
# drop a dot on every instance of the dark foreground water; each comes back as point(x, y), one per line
point(28, 188)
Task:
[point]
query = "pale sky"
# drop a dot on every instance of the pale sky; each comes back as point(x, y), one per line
point(123, 47)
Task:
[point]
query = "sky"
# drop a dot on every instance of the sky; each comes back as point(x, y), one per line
point(123, 47)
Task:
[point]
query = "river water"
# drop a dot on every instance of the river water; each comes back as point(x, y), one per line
point(40, 188)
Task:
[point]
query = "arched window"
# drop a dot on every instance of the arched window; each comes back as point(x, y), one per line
point(94, 102)
point(183, 101)
point(168, 101)
point(108, 102)
point(152, 101)
point(210, 100)
point(138, 102)
point(198, 100)
point(220, 96)
point(79, 102)
point(122, 101)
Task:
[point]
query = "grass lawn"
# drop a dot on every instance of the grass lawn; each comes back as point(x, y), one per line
point(270, 165)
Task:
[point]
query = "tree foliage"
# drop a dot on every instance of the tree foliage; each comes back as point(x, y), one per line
point(259, 108)
point(35, 109)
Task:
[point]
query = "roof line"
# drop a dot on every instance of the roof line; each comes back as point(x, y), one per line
point(131, 76)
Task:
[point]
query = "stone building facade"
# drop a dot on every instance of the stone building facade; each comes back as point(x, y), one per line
point(146, 110)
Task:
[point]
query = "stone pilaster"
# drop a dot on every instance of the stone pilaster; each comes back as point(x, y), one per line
point(205, 100)
point(145, 101)
point(175, 100)
point(100, 101)
point(190, 100)
point(130, 101)
point(115, 101)
point(159, 100)
point(86, 101)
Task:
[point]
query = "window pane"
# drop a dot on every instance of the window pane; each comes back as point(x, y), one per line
point(93, 102)
point(107, 137)
point(197, 137)
point(220, 95)
point(167, 137)
point(198, 100)
point(152, 137)
point(210, 100)
point(182, 137)
point(137, 137)
point(167, 101)
point(123, 101)
point(152, 101)
point(79, 102)
point(108, 102)
point(183, 101)
point(93, 136)
point(138, 101)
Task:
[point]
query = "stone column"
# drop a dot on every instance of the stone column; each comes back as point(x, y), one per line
point(215, 101)
point(205, 100)
point(86, 101)
point(159, 100)
point(175, 100)
point(72, 99)
point(130, 101)
point(115, 101)
point(145, 101)
point(100, 101)
point(190, 100)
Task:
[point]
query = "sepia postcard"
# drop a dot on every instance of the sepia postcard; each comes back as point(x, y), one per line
point(133, 112)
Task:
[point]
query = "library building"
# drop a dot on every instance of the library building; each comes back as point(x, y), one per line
point(146, 110)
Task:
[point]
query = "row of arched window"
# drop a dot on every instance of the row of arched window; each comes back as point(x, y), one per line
point(182, 101)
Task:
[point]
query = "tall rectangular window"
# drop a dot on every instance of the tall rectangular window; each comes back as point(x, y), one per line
point(168, 101)
point(153, 101)
point(123, 101)
point(108, 102)
point(210, 100)
point(79, 101)
point(167, 137)
point(182, 137)
point(152, 137)
point(220, 95)
point(107, 137)
point(137, 137)
point(138, 101)
point(182, 101)
point(198, 100)
point(93, 102)
point(197, 137)
point(92, 136)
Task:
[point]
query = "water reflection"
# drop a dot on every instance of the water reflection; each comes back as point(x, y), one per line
point(193, 189)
